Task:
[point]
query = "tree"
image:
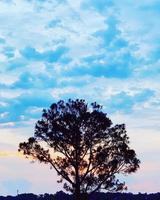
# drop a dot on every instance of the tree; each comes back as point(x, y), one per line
point(81, 144)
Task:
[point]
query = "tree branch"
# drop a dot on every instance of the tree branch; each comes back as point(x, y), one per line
point(54, 166)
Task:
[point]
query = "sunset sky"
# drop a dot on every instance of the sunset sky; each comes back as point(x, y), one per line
point(99, 50)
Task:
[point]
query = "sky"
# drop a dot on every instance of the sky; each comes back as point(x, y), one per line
point(106, 51)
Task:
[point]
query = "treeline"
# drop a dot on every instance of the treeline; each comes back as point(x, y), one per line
point(97, 196)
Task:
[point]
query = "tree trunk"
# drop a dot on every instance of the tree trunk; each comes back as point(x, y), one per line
point(77, 186)
point(77, 181)
point(77, 193)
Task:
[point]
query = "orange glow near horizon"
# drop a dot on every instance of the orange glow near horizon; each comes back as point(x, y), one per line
point(11, 154)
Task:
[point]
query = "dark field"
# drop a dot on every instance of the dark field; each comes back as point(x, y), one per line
point(98, 196)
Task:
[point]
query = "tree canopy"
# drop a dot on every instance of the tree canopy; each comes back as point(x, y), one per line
point(80, 142)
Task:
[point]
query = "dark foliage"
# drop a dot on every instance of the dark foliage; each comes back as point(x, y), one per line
point(82, 145)
point(100, 196)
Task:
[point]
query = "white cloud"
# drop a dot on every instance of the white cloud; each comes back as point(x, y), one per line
point(8, 79)
point(10, 94)
point(140, 32)
point(3, 104)
point(4, 114)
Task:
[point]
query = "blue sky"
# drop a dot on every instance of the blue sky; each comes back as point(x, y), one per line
point(99, 50)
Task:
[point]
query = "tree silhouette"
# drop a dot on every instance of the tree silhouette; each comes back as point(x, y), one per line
point(82, 145)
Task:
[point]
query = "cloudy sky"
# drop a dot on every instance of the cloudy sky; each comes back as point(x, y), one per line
point(99, 50)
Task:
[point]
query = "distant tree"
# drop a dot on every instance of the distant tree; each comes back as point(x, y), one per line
point(82, 145)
